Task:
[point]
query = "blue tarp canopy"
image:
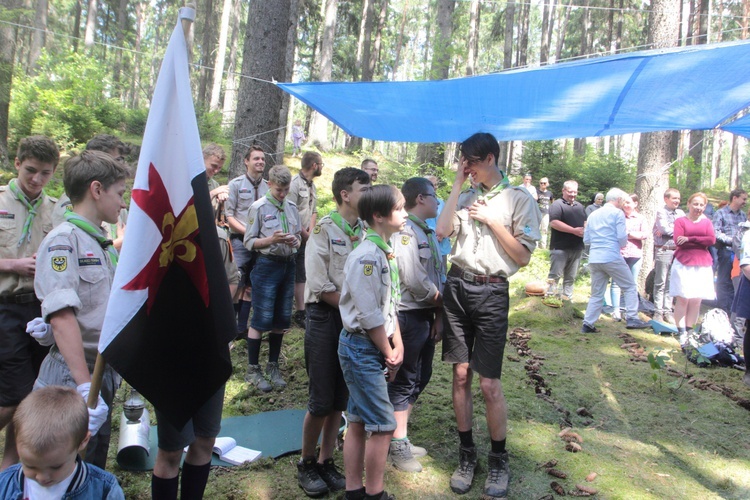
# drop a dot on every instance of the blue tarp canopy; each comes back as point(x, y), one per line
point(699, 87)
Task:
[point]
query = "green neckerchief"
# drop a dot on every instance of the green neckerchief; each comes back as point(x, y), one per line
point(430, 241)
point(94, 232)
point(392, 264)
point(496, 190)
point(31, 207)
point(280, 207)
point(352, 233)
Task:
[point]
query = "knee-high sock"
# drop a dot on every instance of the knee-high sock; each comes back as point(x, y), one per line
point(164, 489)
point(274, 346)
point(194, 479)
point(243, 315)
point(253, 351)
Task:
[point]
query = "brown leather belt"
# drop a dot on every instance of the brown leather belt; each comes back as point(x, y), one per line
point(19, 298)
point(476, 279)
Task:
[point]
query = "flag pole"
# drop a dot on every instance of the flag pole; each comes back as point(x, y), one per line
point(187, 25)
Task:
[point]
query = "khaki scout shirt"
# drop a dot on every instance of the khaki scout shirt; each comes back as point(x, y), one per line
point(233, 274)
point(366, 294)
point(477, 250)
point(420, 279)
point(58, 214)
point(12, 219)
point(264, 219)
point(72, 270)
point(325, 256)
point(305, 197)
point(241, 196)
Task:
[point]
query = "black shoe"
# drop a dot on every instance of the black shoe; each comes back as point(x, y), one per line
point(330, 474)
point(464, 475)
point(637, 324)
point(586, 328)
point(496, 485)
point(309, 479)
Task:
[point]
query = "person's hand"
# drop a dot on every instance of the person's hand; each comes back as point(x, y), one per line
point(222, 193)
point(436, 332)
point(578, 231)
point(279, 237)
point(481, 212)
point(41, 331)
point(26, 266)
point(681, 240)
point(395, 359)
point(98, 415)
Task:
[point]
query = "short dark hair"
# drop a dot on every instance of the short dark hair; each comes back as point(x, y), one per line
point(214, 149)
point(382, 200)
point(344, 179)
point(252, 148)
point(309, 159)
point(366, 161)
point(413, 188)
point(736, 193)
point(39, 148)
point(90, 166)
point(106, 143)
point(479, 145)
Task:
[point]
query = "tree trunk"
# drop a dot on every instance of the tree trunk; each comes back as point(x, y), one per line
point(693, 176)
point(510, 14)
point(364, 66)
point(136, 81)
point(264, 56)
point(291, 37)
point(207, 50)
point(77, 25)
point(378, 42)
point(39, 34)
point(718, 144)
point(230, 92)
point(88, 37)
point(544, 49)
point(439, 70)
point(226, 10)
point(7, 59)
point(399, 44)
point(734, 164)
point(471, 58)
point(319, 124)
point(563, 28)
point(121, 18)
point(585, 27)
point(703, 24)
point(654, 151)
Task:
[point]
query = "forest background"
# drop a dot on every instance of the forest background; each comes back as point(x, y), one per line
point(71, 69)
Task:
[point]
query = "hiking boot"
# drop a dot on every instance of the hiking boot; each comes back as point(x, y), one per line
point(416, 451)
point(400, 456)
point(309, 479)
point(299, 318)
point(386, 496)
point(496, 485)
point(464, 475)
point(616, 315)
point(359, 494)
point(637, 324)
point(586, 328)
point(331, 475)
point(274, 374)
point(668, 318)
point(658, 317)
point(255, 377)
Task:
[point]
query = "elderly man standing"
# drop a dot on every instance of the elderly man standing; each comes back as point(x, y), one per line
point(566, 218)
point(606, 233)
point(727, 222)
point(664, 247)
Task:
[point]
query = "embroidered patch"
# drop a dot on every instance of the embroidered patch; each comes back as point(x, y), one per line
point(338, 242)
point(385, 270)
point(244, 190)
point(90, 261)
point(368, 269)
point(316, 229)
point(6, 215)
point(55, 248)
point(268, 217)
point(422, 245)
point(250, 222)
point(59, 263)
point(527, 230)
point(89, 253)
point(405, 240)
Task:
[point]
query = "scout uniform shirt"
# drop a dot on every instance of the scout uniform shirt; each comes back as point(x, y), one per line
point(325, 257)
point(13, 215)
point(264, 219)
point(419, 271)
point(73, 270)
point(477, 250)
point(305, 196)
point(366, 294)
point(242, 194)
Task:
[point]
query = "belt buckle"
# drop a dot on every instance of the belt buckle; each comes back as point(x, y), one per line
point(468, 276)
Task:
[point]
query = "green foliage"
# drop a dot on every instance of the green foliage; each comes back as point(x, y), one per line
point(135, 121)
point(209, 125)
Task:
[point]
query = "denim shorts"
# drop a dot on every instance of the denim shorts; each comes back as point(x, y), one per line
point(206, 422)
point(326, 387)
point(273, 293)
point(362, 364)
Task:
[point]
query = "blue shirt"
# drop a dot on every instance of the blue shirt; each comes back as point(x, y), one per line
point(606, 233)
point(445, 243)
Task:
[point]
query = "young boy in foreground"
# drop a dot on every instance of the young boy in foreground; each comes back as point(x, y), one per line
point(25, 219)
point(52, 429)
point(331, 241)
point(371, 342)
point(75, 269)
point(273, 229)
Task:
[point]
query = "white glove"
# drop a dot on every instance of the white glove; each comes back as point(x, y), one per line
point(98, 415)
point(41, 331)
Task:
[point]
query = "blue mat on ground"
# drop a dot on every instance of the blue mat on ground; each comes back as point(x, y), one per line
point(274, 433)
point(661, 327)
